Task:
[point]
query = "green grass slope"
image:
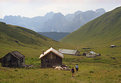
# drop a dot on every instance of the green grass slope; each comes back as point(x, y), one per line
point(20, 35)
point(104, 30)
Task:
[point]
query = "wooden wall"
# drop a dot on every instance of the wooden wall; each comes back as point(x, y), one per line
point(51, 60)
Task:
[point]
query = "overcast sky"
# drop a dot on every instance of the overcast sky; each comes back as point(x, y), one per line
point(31, 8)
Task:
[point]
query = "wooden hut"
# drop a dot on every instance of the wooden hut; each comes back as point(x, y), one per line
point(13, 59)
point(91, 54)
point(70, 52)
point(112, 46)
point(51, 58)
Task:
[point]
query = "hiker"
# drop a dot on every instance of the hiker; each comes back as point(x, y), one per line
point(72, 71)
point(76, 67)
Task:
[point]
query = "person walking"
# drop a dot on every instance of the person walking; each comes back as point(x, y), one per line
point(76, 67)
point(72, 71)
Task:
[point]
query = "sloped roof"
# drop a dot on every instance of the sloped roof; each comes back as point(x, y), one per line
point(16, 54)
point(52, 50)
point(92, 52)
point(90, 56)
point(68, 51)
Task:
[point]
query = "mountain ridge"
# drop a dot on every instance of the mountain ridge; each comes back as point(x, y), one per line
point(54, 22)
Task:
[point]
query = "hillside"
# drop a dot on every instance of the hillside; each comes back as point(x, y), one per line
point(54, 22)
point(105, 30)
point(54, 35)
point(15, 33)
point(19, 36)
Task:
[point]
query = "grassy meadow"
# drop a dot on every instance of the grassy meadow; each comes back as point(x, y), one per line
point(101, 69)
point(88, 73)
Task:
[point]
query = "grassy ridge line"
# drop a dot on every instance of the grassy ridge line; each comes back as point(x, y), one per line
point(21, 34)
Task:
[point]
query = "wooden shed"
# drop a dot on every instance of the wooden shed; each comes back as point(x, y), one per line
point(70, 52)
point(51, 58)
point(13, 59)
point(91, 54)
point(112, 46)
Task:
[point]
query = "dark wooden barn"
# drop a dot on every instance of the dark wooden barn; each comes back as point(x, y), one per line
point(51, 58)
point(13, 59)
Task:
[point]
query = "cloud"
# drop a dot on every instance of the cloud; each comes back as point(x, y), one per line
point(14, 0)
point(105, 1)
point(43, 1)
point(61, 1)
point(31, 8)
point(67, 1)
